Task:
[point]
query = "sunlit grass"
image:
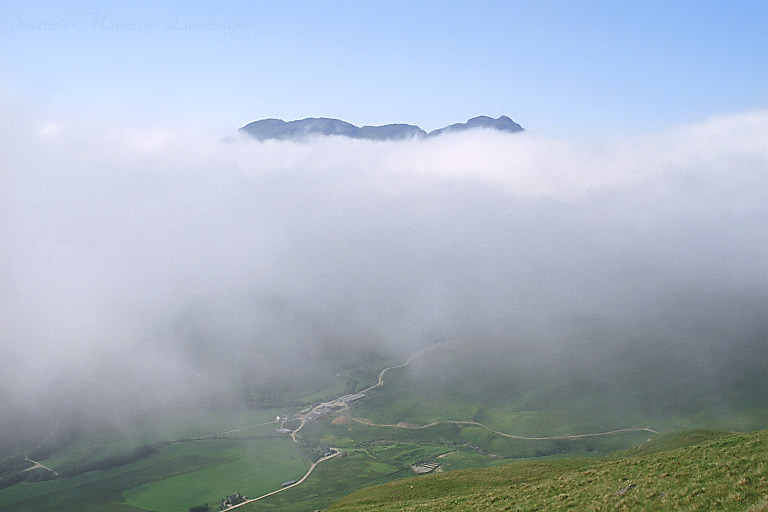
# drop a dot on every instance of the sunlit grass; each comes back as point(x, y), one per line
point(724, 472)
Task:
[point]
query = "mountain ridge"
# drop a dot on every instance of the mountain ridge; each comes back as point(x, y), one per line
point(272, 128)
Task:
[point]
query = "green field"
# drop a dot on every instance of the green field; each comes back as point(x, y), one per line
point(177, 477)
point(99, 488)
point(200, 456)
point(251, 468)
point(718, 472)
point(332, 480)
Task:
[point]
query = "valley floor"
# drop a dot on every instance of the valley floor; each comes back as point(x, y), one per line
point(383, 425)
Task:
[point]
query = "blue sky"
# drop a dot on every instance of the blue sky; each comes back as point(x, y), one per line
point(556, 67)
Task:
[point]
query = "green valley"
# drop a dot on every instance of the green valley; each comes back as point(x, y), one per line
point(409, 418)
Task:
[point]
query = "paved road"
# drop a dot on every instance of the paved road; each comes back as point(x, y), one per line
point(309, 472)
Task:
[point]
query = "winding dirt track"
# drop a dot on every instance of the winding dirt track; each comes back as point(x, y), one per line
point(474, 423)
point(293, 434)
point(37, 464)
point(385, 370)
point(503, 434)
point(309, 472)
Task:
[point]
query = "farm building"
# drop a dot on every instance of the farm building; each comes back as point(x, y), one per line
point(351, 398)
point(233, 499)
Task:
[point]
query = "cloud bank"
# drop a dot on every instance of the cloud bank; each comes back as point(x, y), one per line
point(153, 266)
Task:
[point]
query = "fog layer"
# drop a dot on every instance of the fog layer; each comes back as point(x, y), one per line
point(145, 268)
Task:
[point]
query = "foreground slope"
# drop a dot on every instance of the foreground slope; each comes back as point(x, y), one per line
point(720, 471)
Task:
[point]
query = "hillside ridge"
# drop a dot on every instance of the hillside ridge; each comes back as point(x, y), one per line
point(271, 128)
point(690, 470)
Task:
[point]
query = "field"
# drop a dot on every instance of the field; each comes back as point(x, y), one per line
point(178, 477)
point(250, 468)
point(556, 425)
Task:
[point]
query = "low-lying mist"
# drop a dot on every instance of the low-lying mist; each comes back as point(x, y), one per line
point(146, 269)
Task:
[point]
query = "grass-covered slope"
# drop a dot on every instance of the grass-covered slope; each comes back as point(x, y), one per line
point(454, 405)
point(524, 393)
point(719, 471)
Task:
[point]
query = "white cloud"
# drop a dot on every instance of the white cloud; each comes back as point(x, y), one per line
point(133, 250)
point(49, 129)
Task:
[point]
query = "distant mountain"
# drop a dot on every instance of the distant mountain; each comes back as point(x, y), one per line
point(503, 124)
point(266, 129)
point(391, 132)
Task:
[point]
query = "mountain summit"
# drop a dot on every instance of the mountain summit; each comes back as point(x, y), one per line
point(266, 129)
point(503, 123)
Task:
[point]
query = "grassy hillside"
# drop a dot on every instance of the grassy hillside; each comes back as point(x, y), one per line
point(253, 459)
point(527, 394)
point(719, 471)
point(451, 406)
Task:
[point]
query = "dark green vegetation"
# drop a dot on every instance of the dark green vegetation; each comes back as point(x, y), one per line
point(419, 417)
point(682, 471)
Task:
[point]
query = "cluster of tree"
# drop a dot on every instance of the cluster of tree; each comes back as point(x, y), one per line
point(10, 478)
point(13, 464)
point(12, 467)
point(14, 478)
point(40, 475)
point(270, 435)
point(200, 508)
point(112, 461)
point(313, 450)
point(12, 470)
